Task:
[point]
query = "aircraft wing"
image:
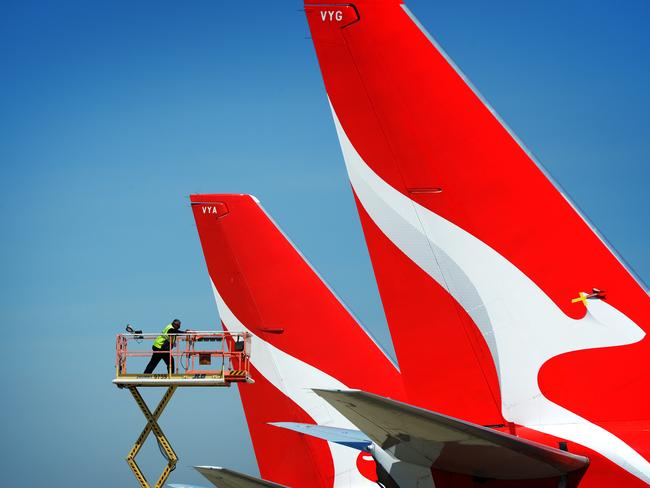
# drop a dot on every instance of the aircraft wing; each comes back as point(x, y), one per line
point(227, 478)
point(427, 438)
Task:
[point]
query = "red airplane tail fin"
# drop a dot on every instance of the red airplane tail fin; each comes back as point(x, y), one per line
point(303, 337)
point(477, 255)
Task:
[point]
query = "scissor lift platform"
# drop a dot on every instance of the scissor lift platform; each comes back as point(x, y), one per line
point(173, 380)
point(192, 352)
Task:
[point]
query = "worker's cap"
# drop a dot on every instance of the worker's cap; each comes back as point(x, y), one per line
point(176, 323)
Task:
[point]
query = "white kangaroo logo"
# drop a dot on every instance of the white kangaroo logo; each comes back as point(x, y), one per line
point(522, 333)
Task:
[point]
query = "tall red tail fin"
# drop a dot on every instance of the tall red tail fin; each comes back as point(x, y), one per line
point(476, 253)
point(303, 337)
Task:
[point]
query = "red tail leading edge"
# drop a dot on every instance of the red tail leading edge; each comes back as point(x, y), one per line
point(528, 318)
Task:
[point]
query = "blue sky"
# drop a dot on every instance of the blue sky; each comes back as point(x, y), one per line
point(112, 113)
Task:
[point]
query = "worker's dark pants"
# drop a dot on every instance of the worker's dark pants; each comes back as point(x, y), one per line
point(157, 355)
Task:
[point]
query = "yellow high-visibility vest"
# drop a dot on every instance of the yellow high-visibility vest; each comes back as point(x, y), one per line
point(164, 336)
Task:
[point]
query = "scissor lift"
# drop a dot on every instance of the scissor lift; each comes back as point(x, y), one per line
point(194, 356)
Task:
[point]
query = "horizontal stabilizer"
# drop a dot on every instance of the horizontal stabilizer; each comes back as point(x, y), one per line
point(227, 478)
point(346, 437)
point(427, 438)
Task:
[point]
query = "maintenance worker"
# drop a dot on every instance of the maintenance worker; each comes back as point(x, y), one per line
point(162, 346)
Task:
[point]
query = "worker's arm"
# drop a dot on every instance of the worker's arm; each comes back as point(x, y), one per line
point(178, 331)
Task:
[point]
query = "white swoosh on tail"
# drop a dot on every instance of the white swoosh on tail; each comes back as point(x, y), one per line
point(296, 379)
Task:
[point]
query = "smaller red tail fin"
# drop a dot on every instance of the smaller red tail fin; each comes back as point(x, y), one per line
point(303, 337)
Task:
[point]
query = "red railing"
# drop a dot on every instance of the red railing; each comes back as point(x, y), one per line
point(192, 354)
